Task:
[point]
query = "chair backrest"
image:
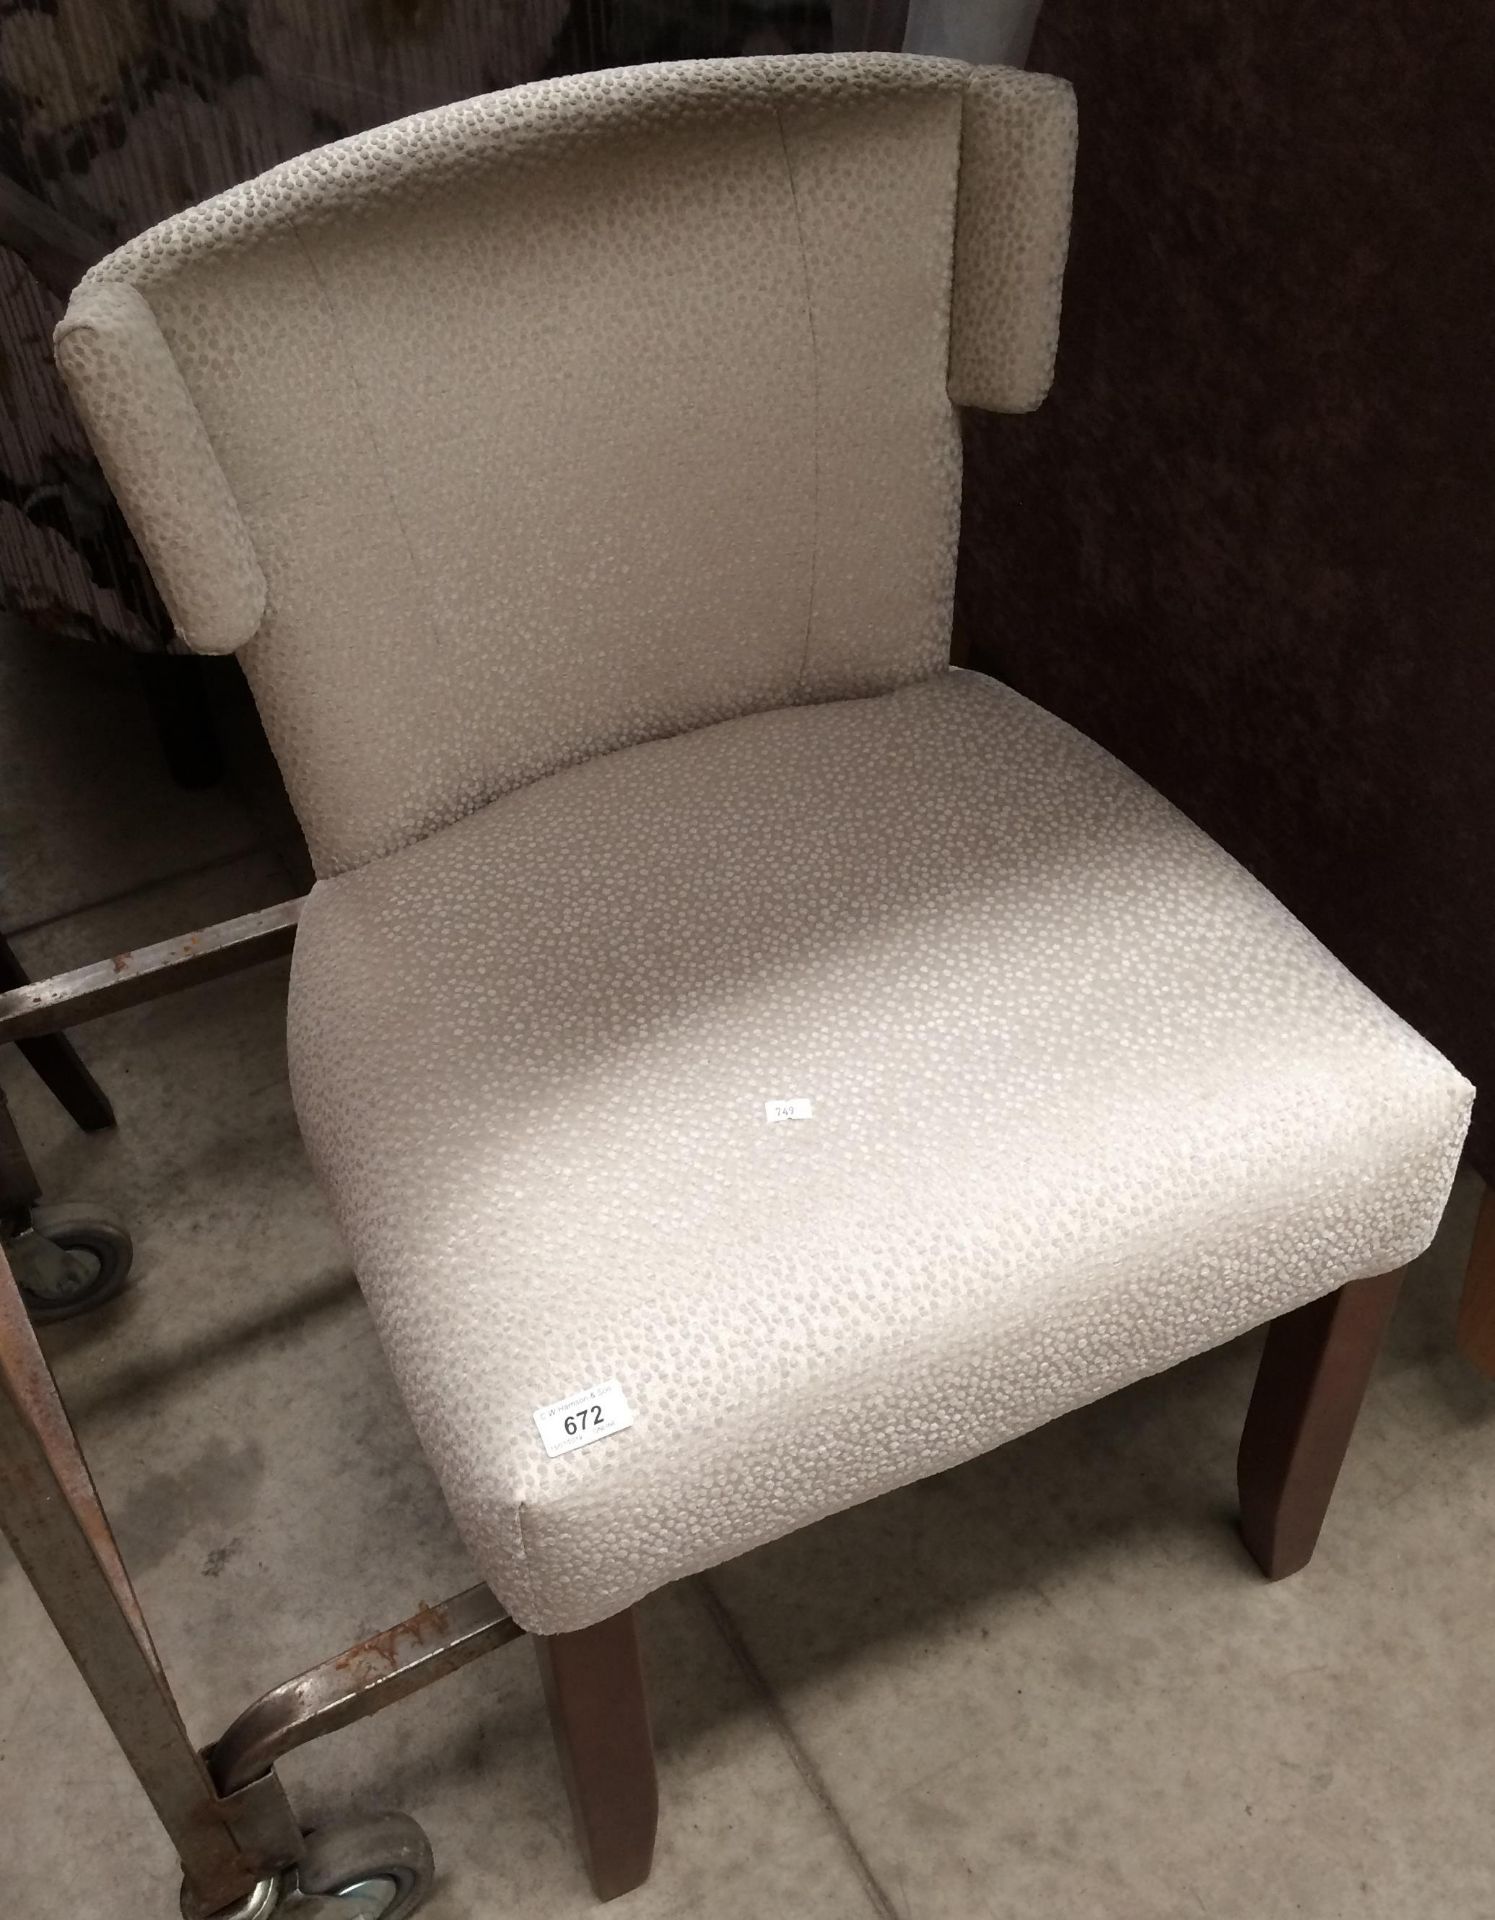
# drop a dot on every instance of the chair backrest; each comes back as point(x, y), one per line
point(578, 414)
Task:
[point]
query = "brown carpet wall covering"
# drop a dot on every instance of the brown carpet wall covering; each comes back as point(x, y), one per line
point(1249, 544)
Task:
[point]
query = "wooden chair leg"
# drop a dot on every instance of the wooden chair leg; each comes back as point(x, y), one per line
point(176, 692)
point(1313, 1375)
point(1477, 1308)
point(54, 1059)
point(19, 1187)
point(599, 1714)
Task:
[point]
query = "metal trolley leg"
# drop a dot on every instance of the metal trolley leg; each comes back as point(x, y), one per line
point(242, 1852)
point(51, 1515)
point(236, 1836)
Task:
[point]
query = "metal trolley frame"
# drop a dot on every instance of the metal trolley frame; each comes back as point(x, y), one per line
point(242, 1850)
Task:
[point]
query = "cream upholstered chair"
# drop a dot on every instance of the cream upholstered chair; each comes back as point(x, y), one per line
point(577, 472)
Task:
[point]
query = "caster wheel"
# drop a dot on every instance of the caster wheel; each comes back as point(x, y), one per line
point(375, 1868)
point(69, 1260)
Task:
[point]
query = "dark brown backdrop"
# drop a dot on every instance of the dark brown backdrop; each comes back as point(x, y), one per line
point(1249, 543)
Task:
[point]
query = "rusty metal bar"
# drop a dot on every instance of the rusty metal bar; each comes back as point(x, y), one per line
point(51, 1514)
point(375, 1673)
point(127, 979)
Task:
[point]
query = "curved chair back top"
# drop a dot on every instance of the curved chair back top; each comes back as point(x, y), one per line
point(578, 414)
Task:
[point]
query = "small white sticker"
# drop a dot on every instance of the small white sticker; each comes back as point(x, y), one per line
point(786, 1110)
point(585, 1417)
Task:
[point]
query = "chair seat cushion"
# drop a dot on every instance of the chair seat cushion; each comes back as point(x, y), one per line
point(1084, 1100)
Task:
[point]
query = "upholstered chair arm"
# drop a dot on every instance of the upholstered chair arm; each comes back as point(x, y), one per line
point(156, 454)
point(1017, 157)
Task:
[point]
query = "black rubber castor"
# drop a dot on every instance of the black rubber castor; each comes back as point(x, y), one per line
point(379, 1866)
point(68, 1261)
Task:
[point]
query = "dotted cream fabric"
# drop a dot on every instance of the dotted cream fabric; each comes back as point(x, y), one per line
point(581, 413)
point(1012, 237)
point(156, 454)
point(1085, 1100)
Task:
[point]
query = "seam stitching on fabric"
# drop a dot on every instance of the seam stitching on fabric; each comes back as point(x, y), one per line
point(804, 260)
point(66, 328)
point(262, 612)
point(366, 420)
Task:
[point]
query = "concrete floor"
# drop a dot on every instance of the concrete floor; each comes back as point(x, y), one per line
point(1048, 1683)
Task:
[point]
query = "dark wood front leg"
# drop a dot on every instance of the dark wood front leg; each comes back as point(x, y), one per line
point(19, 1187)
point(599, 1714)
point(1477, 1308)
point(1313, 1375)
